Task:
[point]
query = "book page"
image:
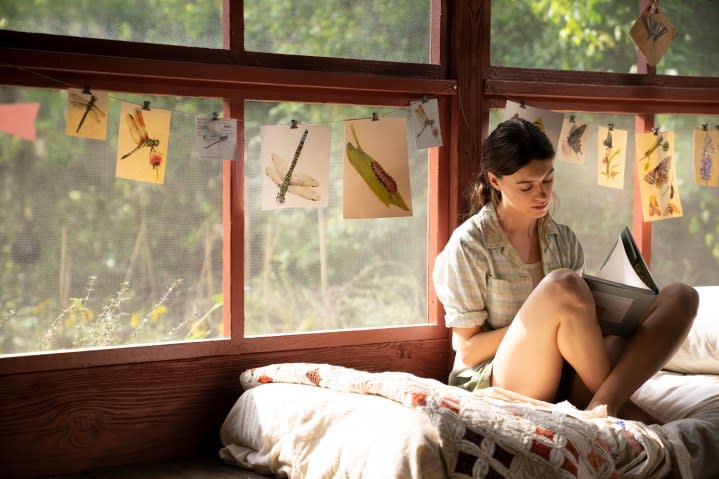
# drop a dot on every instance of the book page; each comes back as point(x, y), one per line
point(618, 268)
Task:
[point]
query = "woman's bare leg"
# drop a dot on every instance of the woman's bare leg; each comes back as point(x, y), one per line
point(556, 322)
point(660, 334)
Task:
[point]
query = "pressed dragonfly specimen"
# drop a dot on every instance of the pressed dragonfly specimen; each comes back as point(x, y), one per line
point(285, 177)
point(89, 105)
point(139, 134)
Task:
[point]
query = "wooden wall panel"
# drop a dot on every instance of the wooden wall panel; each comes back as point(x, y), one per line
point(77, 420)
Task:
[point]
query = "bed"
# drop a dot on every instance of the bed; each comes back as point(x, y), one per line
point(303, 420)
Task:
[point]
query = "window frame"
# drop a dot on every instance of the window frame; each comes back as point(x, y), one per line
point(52, 61)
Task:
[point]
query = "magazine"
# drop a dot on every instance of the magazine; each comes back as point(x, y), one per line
point(623, 288)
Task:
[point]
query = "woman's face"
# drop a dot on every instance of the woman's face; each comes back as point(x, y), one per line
point(528, 191)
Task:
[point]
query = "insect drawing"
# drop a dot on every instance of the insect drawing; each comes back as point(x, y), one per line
point(574, 139)
point(289, 181)
point(654, 207)
point(608, 140)
point(141, 138)
point(655, 29)
point(425, 121)
point(382, 184)
point(659, 175)
point(648, 152)
point(212, 136)
point(89, 107)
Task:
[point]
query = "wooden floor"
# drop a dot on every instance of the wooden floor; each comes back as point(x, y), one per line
point(208, 468)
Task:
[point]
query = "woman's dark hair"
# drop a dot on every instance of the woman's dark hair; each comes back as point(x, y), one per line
point(511, 146)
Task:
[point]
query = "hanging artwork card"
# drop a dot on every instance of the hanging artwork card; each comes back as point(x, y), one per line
point(18, 119)
point(86, 114)
point(706, 157)
point(424, 120)
point(656, 167)
point(611, 157)
point(295, 162)
point(216, 138)
point(550, 122)
point(572, 140)
point(653, 32)
point(142, 143)
point(376, 169)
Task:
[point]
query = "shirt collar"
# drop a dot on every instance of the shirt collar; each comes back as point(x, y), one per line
point(494, 236)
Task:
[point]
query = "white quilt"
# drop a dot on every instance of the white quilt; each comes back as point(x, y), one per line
point(309, 421)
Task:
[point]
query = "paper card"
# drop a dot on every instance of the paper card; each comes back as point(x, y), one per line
point(656, 167)
point(376, 169)
point(424, 119)
point(706, 157)
point(550, 122)
point(652, 32)
point(18, 119)
point(611, 157)
point(86, 114)
point(295, 165)
point(572, 140)
point(142, 143)
point(216, 138)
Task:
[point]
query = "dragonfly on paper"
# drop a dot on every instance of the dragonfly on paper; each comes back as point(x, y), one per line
point(212, 136)
point(425, 121)
point(139, 134)
point(89, 106)
point(288, 180)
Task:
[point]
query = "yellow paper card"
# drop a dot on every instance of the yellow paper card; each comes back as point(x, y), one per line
point(652, 32)
point(86, 114)
point(142, 143)
point(656, 167)
point(706, 157)
point(611, 157)
point(376, 169)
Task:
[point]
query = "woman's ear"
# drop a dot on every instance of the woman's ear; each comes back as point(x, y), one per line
point(493, 180)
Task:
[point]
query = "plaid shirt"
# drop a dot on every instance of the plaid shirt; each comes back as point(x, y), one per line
point(480, 279)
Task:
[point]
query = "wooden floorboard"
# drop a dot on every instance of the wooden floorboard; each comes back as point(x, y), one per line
point(207, 468)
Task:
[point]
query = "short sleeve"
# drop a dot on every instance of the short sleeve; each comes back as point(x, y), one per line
point(576, 252)
point(459, 278)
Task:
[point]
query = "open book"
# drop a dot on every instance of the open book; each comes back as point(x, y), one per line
point(623, 288)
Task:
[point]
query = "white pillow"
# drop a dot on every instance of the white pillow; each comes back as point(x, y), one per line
point(699, 353)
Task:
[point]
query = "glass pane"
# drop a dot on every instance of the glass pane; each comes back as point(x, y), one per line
point(392, 30)
point(693, 52)
point(174, 22)
point(595, 213)
point(687, 248)
point(564, 34)
point(92, 260)
point(310, 269)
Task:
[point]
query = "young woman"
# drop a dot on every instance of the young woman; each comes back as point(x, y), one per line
point(520, 312)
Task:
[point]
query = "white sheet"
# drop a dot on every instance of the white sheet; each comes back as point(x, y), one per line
point(301, 431)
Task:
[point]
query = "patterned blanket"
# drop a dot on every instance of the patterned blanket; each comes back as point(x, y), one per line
point(495, 433)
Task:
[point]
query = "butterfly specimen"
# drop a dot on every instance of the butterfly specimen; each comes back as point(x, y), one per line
point(290, 181)
point(608, 140)
point(659, 175)
point(574, 139)
point(655, 29)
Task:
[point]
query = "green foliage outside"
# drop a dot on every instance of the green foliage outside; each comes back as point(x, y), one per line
point(304, 270)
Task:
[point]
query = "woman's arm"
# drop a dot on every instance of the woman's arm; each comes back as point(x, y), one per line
point(474, 346)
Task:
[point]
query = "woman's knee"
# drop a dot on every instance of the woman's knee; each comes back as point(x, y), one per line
point(682, 298)
point(565, 286)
